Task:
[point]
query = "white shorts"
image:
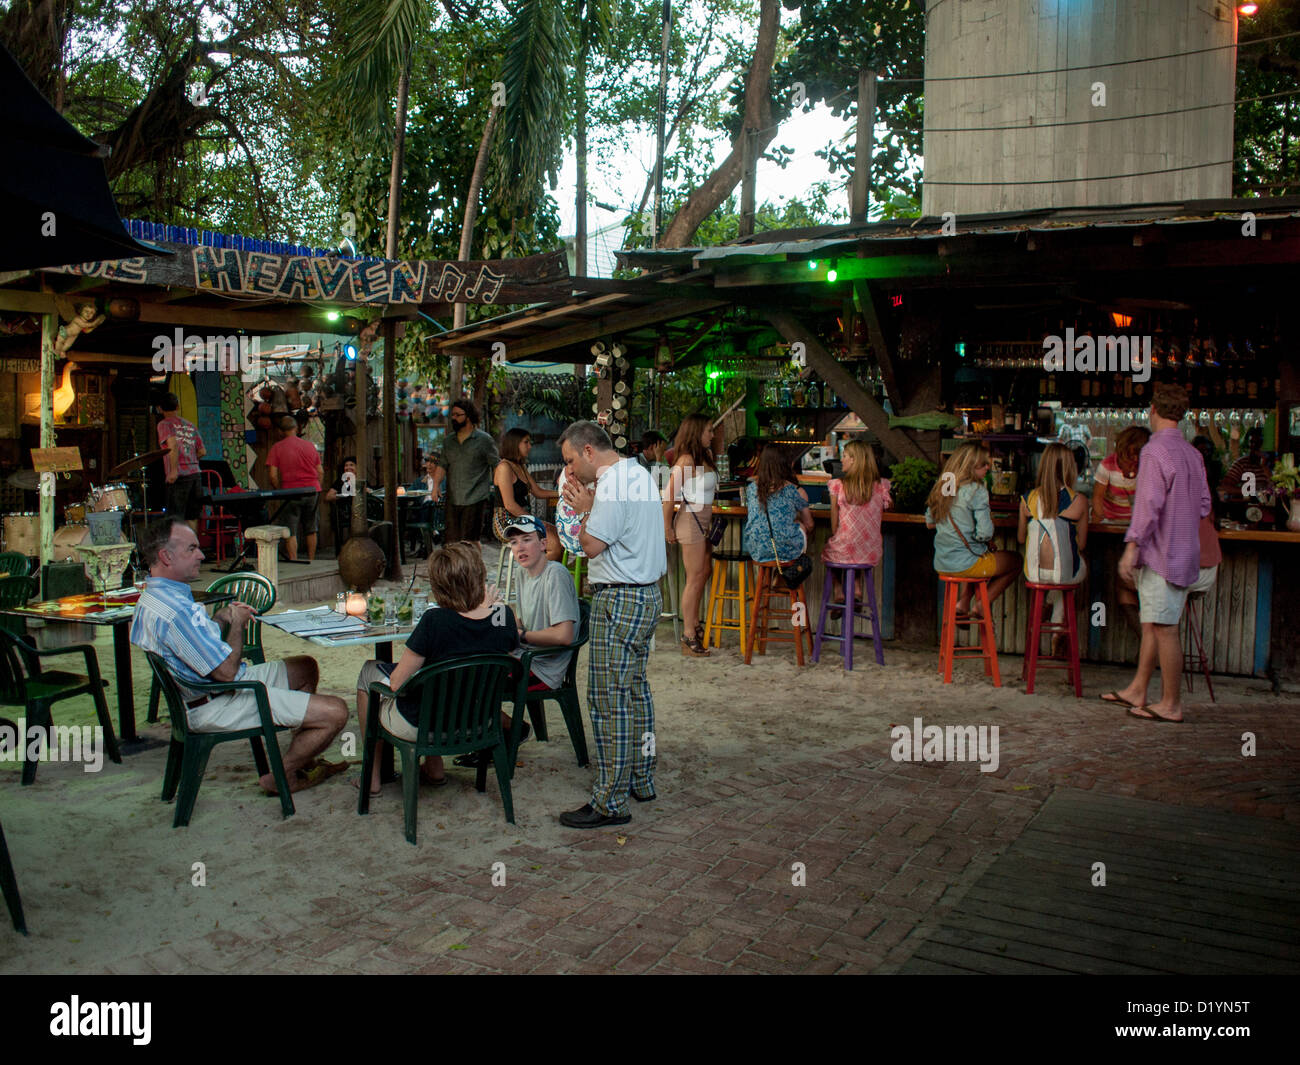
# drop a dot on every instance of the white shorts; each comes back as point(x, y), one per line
point(1159, 602)
point(238, 710)
point(389, 716)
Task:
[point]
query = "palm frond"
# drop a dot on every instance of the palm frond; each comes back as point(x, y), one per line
point(379, 35)
point(534, 70)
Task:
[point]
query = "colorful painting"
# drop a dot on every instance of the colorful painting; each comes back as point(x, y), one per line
point(233, 423)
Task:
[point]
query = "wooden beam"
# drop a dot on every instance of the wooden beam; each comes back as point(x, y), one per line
point(606, 325)
point(872, 413)
point(31, 302)
point(865, 299)
point(236, 317)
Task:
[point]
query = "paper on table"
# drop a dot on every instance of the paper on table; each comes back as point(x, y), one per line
point(318, 621)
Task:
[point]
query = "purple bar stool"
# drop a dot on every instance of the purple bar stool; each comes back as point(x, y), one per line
point(848, 612)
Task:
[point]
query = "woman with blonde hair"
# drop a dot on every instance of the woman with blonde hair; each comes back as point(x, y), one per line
point(859, 497)
point(466, 621)
point(1054, 529)
point(692, 482)
point(515, 484)
point(958, 510)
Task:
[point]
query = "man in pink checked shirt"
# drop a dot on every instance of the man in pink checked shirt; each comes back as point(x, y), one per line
point(1163, 552)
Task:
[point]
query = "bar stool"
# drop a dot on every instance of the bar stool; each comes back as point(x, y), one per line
point(849, 612)
point(1038, 628)
point(1194, 663)
point(506, 561)
point(672, 594)
point(575, 569)
point(719, 596)
point(760, 620)
point(987, 648)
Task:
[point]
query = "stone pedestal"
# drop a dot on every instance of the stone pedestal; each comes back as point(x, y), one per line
point(268, 539)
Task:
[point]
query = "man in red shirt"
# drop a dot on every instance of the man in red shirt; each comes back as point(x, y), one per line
point(295, 463)
point(184, 448)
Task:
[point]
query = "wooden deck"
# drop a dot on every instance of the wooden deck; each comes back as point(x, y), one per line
point(1188, 891)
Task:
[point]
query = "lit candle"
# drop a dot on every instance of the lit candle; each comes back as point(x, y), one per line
point(356, 604)
point(401, 489)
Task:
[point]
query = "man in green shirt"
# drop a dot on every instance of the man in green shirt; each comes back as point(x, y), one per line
point(470, 456)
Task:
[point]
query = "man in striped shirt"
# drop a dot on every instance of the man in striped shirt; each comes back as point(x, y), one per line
point(1163, 552)
point(171, 624)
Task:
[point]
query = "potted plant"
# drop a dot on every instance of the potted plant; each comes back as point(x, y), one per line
point(910, 482)
point(1286, 483)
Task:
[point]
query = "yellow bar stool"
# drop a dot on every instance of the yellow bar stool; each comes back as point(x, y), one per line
point(720, 594)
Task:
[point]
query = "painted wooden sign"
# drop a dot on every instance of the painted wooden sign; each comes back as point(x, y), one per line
point(355, 282)
point(56, 459)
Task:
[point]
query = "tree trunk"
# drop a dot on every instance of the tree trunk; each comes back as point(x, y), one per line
point(758, 118)
point(460, 311)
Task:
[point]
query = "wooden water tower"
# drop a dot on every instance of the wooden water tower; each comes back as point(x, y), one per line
point(1064, 103)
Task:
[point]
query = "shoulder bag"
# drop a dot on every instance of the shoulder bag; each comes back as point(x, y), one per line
point(793, 573)
point(717, 527)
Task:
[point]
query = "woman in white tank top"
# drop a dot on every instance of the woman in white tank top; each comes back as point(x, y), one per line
point(692, 483)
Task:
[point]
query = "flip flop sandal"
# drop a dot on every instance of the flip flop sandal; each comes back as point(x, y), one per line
point(356, 783)
point(1150, 715)
point(1115, 699)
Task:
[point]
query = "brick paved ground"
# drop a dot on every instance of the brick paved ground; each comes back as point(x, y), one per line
point(702, 880)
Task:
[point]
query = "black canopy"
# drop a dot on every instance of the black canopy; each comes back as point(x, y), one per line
point(58, 206)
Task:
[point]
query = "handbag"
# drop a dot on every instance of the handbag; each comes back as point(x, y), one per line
point(793, 573)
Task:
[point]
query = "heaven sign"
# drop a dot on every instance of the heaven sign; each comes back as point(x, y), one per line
point(359, 282)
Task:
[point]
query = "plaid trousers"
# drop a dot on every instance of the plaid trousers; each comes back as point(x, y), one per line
point(618, 695)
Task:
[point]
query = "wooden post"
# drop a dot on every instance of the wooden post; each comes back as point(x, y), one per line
point(389, 471)
point(748, 181)
point(49, 333)
point(819, 359)
point(362, 439)
point(860, 191)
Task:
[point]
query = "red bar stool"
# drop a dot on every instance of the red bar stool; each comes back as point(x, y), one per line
point(1196, 662)
point(986, 649)
point(1039, 628)
point(720, 594)
point(862, 577)
point(766, 589)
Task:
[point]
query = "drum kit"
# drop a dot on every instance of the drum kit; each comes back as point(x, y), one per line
point(21, 531)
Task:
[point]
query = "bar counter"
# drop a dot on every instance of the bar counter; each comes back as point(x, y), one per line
point(1249, 626)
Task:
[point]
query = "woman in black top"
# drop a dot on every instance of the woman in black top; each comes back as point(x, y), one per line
point(467, 621)
point(515, 484)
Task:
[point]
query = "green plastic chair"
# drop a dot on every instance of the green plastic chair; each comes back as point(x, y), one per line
point(15, 591)
point(15, 564)
point(460, 712)
point(575, 569)
point(566, 694)
point(251, 588)
point(188, 757)
point(9, 886)
point(23, 682)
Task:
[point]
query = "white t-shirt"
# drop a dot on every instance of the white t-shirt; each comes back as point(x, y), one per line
point(628, 516)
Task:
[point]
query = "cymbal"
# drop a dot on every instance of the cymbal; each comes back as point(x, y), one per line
point(137, 462)
point(30, 480)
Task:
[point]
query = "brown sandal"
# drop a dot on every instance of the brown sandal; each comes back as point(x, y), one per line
point(692, 646)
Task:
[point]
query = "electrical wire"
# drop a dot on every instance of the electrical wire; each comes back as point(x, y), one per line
point(1085, 177)
point(1097, 66)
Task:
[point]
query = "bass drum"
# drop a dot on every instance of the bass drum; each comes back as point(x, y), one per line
point(67, 539)
point(22, 533)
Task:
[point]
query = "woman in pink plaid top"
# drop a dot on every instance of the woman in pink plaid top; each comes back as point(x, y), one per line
point(858, 499)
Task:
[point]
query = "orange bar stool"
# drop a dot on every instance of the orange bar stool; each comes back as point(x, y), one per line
point(720, 594)
point(1038, 628)
point(768, 586)
point(1195, 661)
point(986, 649)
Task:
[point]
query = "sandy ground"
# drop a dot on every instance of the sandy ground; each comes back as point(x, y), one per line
point(104, 875)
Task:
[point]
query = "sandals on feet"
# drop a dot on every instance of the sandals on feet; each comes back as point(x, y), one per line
point(693, 646)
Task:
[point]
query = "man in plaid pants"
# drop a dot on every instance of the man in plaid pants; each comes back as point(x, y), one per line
point(622, 536)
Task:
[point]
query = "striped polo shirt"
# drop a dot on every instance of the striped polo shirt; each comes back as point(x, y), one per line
point(173, 626)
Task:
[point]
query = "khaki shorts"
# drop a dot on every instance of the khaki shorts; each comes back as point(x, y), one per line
point(1159, 602)
point(389, 716)
point(686, 527)
point(238, 710)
